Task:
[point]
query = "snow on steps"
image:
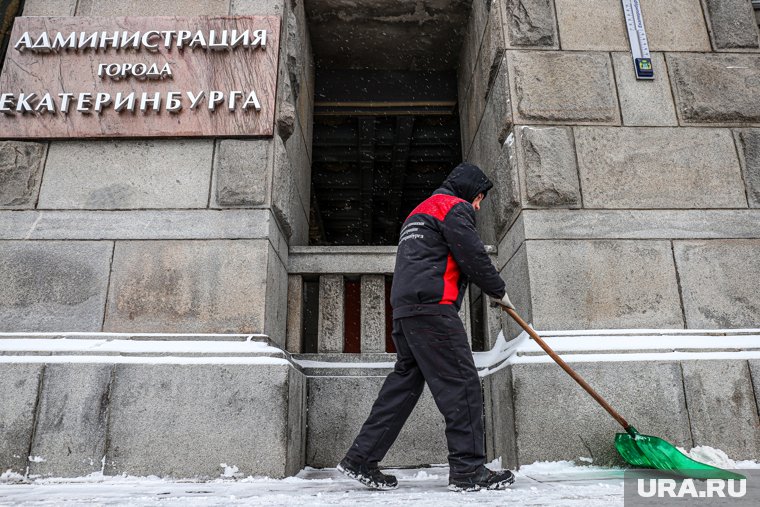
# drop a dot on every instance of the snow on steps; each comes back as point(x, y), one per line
point(574, 346)
point(152, 348)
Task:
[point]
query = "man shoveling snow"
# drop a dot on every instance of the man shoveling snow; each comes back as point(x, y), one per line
point(439, 253)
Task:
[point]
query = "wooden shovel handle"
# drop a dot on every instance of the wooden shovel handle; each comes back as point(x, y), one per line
point(541, 343)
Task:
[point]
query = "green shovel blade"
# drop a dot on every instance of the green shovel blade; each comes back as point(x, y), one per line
point(652, 452)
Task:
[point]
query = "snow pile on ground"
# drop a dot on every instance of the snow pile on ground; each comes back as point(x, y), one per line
point(718, 458)
point(9, 477)
point(230, 472)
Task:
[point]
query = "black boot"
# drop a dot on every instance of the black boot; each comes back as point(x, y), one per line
point(371, 477)
point(483, 478)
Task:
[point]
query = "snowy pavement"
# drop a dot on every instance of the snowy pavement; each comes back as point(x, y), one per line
point(555, 484)
point(550, 484)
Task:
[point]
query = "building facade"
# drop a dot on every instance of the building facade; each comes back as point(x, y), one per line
point(183, 305)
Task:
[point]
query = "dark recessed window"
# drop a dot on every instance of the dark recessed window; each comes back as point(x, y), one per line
point(383, 141)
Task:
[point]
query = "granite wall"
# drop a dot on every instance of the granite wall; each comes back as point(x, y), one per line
point(140, 405)
point(616, 199)
point(617, 204)
point(538, 413)
point(158, 235)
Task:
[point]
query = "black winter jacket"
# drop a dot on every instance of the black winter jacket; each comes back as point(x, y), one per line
point(439, 250)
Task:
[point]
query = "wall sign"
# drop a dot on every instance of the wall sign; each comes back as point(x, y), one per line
point(78, 77)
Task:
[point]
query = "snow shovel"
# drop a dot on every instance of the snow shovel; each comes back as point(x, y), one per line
point(639, 450)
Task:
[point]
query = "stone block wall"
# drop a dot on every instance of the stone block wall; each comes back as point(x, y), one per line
point(689, 403)
point(164, 250)
point(148, 414)
point(339, 401)
point(658, 178)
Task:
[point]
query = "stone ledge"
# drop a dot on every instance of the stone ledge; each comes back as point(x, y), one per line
point(635, 344)
point(642, 224)
point(628, 224)
point(327, 260)
point(337, 365)
point(159, 337)
point(137, 224)
point(126, 346)
point(318, 260)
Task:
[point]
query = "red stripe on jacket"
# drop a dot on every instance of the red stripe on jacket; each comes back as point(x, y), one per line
point(450, 282)
point(438, 206)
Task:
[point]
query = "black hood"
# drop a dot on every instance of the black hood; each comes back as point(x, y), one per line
point(466, 181)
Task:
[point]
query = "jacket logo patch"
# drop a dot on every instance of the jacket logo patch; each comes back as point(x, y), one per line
point(411, 236)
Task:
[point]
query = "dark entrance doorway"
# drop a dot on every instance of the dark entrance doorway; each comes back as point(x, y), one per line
point(386, 127)
point(383, 140)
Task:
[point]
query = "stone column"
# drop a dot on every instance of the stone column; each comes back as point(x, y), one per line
point(373, 313)
point(331, 313)
point(294, 342)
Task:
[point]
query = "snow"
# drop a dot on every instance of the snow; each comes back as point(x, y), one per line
point(718, 458)
point(574, 346)
point(230, 471)
point(136, 346)
point(641, 341)
point(144, 360)
point(309, 363)
point(653, 331)
point(601, 346)
point(422, 487)
point(564, 483)
point(630, 345)
point(639, 357)
point(150, 348)
point(557, 483)
point(99, 334)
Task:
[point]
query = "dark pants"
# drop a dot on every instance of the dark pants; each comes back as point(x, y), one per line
point(432, 348)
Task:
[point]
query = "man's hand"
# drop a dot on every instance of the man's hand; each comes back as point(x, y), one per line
point(505, 302)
